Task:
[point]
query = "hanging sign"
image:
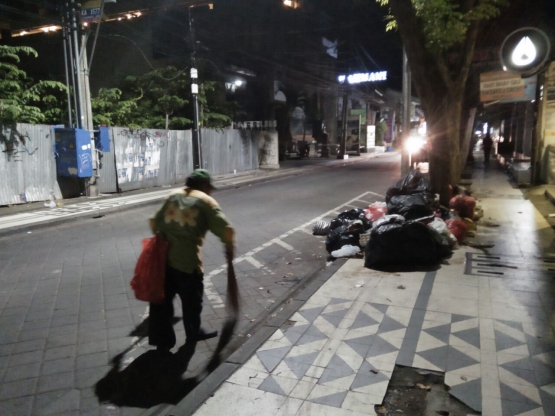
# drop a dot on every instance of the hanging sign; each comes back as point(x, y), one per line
point(506, 87)
point(525, 51)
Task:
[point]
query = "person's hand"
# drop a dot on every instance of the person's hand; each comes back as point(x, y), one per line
point(229, 253)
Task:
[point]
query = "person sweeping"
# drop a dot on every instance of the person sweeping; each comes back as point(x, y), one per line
point(183, 220)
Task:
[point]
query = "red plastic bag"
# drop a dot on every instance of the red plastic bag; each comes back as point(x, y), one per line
point(375, 211)
point(148, 280)
point(464, 205)
point(457, 228)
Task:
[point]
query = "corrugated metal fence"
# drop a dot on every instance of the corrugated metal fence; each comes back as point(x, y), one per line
point(145, 157)
point(137, 159)
point(27, 164)
point(226, 151)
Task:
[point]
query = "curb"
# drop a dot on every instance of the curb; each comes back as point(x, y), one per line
point(253, 180)
point(288, 304)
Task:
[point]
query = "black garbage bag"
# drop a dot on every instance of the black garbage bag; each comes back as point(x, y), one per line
point(412, 183)
point(347, 217)
point(321, 228)
point(399, 242)
point(412, 206)
point(342, 236)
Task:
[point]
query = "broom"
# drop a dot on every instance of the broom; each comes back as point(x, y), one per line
point(232, 306)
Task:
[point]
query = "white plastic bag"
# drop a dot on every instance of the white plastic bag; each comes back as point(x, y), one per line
point(439, 225)
point(345, 251)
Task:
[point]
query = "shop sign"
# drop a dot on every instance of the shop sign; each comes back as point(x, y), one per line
point(255, 125)
point(505, 86)
point(363, 77)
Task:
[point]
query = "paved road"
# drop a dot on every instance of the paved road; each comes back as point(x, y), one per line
point(72, 332)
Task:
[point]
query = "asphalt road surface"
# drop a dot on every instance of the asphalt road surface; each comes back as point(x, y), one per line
point(72, 334)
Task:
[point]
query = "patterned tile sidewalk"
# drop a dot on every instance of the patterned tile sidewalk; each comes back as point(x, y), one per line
point(483, 319)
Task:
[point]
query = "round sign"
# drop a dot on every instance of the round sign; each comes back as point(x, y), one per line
point(525, 51)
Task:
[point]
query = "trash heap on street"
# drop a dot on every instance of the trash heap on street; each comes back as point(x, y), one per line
point(409, 228)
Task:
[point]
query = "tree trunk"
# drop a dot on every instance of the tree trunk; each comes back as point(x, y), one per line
point(444, 157)
point(467, 130)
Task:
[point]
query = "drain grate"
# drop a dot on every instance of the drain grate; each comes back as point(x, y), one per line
point(494, 265)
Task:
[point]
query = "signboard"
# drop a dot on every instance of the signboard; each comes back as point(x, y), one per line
point(525, 51)
point(363, 77)
point(370, 136)
point(91, 11)
point(91, 15)
point(549, 109)
point(255, 125)
point(507, 87)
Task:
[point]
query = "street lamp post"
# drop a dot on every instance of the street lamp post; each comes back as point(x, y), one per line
point(196, 130)
point(197, 158)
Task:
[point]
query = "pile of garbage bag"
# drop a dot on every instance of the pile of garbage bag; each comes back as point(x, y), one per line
point(397, 241)
point(409, 228)
point(411, 197)
point(345, 230)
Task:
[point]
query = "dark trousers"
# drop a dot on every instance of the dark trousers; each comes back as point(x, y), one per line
point(487, 152)
point(190, 289)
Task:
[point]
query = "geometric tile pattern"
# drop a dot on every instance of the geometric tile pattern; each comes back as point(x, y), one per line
point(360, 358)
point(344, 346)
point(339, 354)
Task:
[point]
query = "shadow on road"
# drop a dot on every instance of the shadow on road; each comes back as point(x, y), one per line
point(150, 380)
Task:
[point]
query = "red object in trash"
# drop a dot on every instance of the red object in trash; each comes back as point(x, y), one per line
point(375, 211)
point(464, 205)
point(148, 280)
point(457, 228)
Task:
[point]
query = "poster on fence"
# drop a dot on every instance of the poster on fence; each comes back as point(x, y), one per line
point(139, 156)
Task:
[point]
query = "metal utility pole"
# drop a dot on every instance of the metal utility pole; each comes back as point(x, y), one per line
point(343, 145)
point(77, 66)
point(66, 62)
point(85, 87)
point(407, 96)
point(197, 156)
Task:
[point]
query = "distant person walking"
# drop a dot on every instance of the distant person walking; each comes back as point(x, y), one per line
point(183, 220)
point(487, 143)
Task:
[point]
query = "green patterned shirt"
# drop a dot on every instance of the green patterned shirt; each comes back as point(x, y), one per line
point(184, 219)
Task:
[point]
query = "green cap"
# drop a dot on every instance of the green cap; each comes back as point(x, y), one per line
point(202, 176)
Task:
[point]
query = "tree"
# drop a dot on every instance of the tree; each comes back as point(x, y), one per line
point(439, 37)
point(21, 98)
point(110, 110)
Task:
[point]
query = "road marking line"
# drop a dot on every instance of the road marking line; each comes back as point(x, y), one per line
point(283, 244)
point(254, 262)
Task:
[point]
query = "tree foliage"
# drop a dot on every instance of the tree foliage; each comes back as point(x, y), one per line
point(110, 110)
point(445, 22)
point(162, 98)
point(21, 99)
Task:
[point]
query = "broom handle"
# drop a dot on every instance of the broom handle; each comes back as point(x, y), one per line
point(232, 289)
